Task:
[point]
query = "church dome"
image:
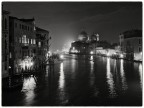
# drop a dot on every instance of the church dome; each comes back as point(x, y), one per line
point(95, 37)
point(83, 36)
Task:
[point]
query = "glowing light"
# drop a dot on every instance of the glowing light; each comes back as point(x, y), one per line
point(61, 79)
point(141, 74)
point(28, 89)
point(91, 52)
point(108, 54)
point(124, 84)
point(110, 80)
point(91, 58)
point(61, 56)
point(121, 56)
point(26, 63)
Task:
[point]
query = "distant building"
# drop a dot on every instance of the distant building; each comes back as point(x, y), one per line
point(79, 47)
point(42, 42)
point(5, 43)
point(83, 36)
point(22, 46)
point(131, 44)
point(85, 44)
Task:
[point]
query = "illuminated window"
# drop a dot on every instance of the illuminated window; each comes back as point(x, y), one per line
point(28, 41)
point(31, 41)
point(24, 39)
point(34, 42)
point(10, 55)
point(39, 44)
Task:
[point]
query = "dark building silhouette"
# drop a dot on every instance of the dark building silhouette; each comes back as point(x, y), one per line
point(42, 42)
point(5, 43)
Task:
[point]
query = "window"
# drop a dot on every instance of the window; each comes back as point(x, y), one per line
point(34, 42)
point(10, 55)
point(140, 41)
point(15, 25)
point(5, 21)
point(39, 44)
point(22, 26)
point(34, 50)
point(140, 49)
point(28, 41)
point(31, 41)
point(24, 39)
point(19, 39)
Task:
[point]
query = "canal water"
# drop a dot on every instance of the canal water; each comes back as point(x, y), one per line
point(81, 81)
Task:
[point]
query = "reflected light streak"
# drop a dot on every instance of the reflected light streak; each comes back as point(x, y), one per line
point(140, 74)
point(124, 84)
point(61, 79)
point(47, 69)
point(91, 73)
point(110, 78)
point(91, 58)
point(28, 89)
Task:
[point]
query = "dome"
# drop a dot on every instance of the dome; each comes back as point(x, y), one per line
point(83, 36)
point(95, 37)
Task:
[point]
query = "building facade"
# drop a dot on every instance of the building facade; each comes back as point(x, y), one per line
point(131, 44)
point(22, 46)
point(42, 42)
point(5, 43)
point(85, 44)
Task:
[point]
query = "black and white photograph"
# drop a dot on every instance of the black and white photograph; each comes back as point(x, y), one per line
point(71, 53)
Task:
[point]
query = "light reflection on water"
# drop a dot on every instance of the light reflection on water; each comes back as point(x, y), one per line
point(140, 74)
point(62, 95)
point(106, 77)
point(110, 80)
point(29, 85)
point(91, 71)
point(122, 74)
point(62, 78)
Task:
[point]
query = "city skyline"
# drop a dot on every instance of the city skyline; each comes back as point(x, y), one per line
point(72, 54)
point(65, 20)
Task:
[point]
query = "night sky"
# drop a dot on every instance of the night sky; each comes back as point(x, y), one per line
point(65, 20)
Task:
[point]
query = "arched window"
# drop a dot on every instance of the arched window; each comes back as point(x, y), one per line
point(5, 23)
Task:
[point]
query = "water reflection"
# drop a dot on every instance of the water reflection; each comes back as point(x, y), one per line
point(29, 85)
point(62, 94)
point(61, 79)
point(122, 74)
point(91, 58)
point(91, 71)
point(47, 70)
point(140, 74)
point(110, 80)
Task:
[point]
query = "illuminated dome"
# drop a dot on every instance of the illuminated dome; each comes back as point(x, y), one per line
point(95, 37)
point(83, 36)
